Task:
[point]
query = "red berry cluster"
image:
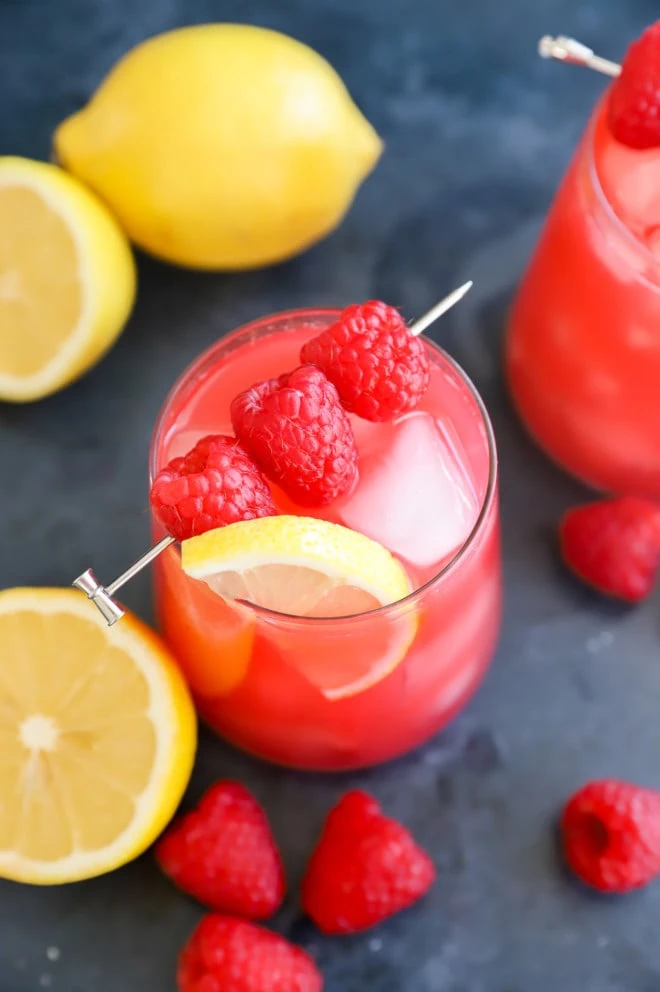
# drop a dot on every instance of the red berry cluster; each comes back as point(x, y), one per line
point(365, 868)
point(294, 430)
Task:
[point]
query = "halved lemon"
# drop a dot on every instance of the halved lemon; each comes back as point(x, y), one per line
point(97, 737)
point(306, 567)
point(67, 279)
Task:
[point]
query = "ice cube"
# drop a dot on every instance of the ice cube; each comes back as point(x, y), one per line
point(414, 495)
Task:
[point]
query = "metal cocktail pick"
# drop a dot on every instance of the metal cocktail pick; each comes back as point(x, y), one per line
point(575, 53)
point(102, 596)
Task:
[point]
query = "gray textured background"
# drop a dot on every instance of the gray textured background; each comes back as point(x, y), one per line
point(478, 131)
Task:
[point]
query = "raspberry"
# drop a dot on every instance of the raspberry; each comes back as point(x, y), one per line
point(365, 868)
point(611, 835)
point(296, 430)
point(227, 955)
point(216, 483)
point(224, 855)
point(379, 368)
point(634, 101)
point(613, 545)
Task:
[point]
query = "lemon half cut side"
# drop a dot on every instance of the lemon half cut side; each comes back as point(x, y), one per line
point(67, 279)
point(97, 737)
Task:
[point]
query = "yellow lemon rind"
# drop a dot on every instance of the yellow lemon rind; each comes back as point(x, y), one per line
point(107, 276)
point(248, 151)
point(173, 715)
point(342, 554)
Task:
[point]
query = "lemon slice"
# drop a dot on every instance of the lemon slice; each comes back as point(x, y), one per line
point(97, 737)
point(306, 567)
point(67, 279)
point(297, 565)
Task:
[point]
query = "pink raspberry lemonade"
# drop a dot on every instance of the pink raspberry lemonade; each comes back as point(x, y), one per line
point(338, 692)
point(583, 345)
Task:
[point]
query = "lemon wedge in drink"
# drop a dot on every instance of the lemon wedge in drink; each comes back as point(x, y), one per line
point(67, 279)
point(97, 737)
point(297, 565)
point(306, 567)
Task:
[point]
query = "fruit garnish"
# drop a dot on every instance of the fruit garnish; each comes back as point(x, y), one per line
point(98, 737)
point(229, 955)
point(379, 368)
point(297, 565)
point(254, 175)
point(215, 484)
point(67, 279)
point(634, 99)
point(365, 868)
point(224, 855)
point(613, 545)
point(303, 566)
point(298, 433)
point(611, 835)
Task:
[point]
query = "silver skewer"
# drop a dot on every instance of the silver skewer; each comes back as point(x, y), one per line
point(442, 307)
point(574, 52)
point(102, 596)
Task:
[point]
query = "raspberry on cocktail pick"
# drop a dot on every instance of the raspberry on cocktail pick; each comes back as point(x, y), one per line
point(634, 102)
point(215, 484)
point(633, 109)
point(103, 596)
point(298, 433)
point(375, 361)
point(379, 368)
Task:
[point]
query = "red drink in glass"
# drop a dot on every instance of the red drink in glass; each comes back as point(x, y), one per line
point(427, 491)
point(583, 345)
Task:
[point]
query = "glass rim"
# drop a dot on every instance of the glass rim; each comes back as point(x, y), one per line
point(604, 201)
point(197, 365)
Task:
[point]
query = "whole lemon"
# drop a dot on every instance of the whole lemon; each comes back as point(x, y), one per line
point(222, 146)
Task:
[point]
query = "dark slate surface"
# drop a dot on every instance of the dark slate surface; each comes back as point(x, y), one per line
point(478, 131)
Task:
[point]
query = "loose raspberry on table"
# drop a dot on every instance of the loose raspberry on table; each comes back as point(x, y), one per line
point(365, 868)
point(634, 100)
point(215, 484)
point(229, 955)
point(223, 854)
point(613, 545)
point(379, 368)
point(296, 430)
point(611, 835)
